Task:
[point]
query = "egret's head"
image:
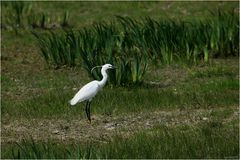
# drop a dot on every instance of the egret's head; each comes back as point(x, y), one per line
point(108, 66)
point(105, 67)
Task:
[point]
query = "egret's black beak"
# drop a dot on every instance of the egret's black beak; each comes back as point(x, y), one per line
point(113, 67)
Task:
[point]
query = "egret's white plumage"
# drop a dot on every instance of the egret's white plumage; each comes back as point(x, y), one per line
point(87, 92)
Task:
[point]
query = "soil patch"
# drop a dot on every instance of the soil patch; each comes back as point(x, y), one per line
point(104, 127)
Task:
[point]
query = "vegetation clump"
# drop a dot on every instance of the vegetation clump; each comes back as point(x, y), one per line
point(133, 44)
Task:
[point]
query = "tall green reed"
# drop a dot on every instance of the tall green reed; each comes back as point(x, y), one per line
point(131, 44)
point(104, 43)
point(58, 49)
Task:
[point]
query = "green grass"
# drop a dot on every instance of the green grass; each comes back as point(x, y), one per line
point(113, 100)
point(217, 71)
point(85, 13)
point(207, 140)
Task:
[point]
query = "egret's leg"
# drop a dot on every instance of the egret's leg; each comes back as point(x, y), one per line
point(89, 113)
point(86, 108)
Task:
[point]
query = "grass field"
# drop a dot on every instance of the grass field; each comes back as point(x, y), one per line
point(179, 111)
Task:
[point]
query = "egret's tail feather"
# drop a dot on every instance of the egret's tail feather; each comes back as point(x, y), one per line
point(72, 102)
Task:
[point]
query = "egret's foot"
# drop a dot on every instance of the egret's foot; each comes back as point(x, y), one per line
point(89, 121)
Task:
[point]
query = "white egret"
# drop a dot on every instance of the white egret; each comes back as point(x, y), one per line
point(87, 92)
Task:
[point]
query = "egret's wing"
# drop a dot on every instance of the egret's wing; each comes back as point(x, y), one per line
point(86, 92)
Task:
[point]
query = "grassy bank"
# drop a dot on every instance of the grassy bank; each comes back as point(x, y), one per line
point(207, 140)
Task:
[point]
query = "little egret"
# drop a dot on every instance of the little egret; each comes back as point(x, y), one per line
point(87, 92)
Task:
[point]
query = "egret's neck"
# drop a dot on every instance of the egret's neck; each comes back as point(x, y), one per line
point(104, 79)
